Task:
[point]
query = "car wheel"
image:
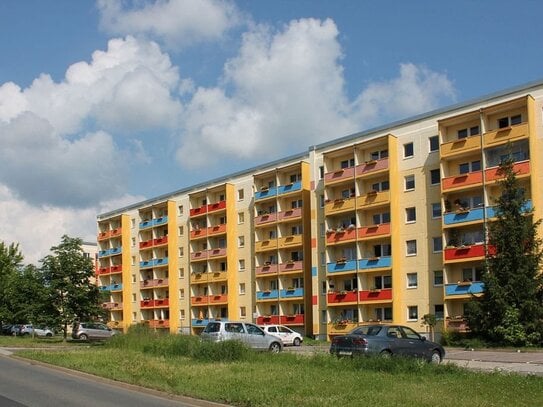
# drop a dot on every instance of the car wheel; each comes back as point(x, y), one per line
point(385, 354)
point(436, 357)
point(49, 335)
point(275, 347)
point(296, 342)
point(83, 337)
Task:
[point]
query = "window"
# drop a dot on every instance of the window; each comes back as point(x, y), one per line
point(408, 150)
point(242, 312)
point(382, 250)
point(296, 204)
point(321, 200)
point(472, 131)
point(181, 252)
point(439, 311)
point(133, 223)
point(383, 314)
point(472, 166)
point(133, 297)
point(181, 230)
point(380, 218)
point(241, 241)
point(472, 274)
point(347, 163)
point(434, 143)
point(180, 210)
point(181, 293)
point(438, 277)
point(412, 313)
point(410, 183)
point(436, 210)
point(133, 278)
point(133, 242)
point(242, 288)
point(509, 121)
point(412, 281)
point(182, 314)
point(437, 244)
point(411, 246)
point(295, 178)
point(435, 177)
point(321, 172)
point(410, 215)
point(381, 282)
point(241, 265)
point(181, 272)
point(241, 194)
point(324, 318)
point(378, 155)
point(241, 218)
point(381, 186)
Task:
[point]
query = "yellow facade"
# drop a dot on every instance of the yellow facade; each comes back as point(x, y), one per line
point(386, 225)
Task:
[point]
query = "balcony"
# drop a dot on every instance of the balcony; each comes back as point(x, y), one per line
point(468, 252)
point(373, 199)
point(460, 146)
point(339, 206)
point(199, 277)
point(267, 319)
point(508, 134)
point(199, 300)
point(342, 297)
point(265, 219)
point(109, 233)
point(218, 276)
point(217, 206)
point(202, 210)
point(475, 215)
point(290, 241)
point(266, 193)
point(291, 266)
point(341, 327)
point(153, 222)
point(265, 245)
point(376, 295)
point(372, 167)
point(198, 233)
point(159, 323)
point(288, 188)
point(375, 263)
point(291, 214)
point(267, 295)
point(291, 293)
point(111, 305)
point(463, 290)
point(218, 299)
point(157, 282)
point(199, 323)
point(295, 319)
point(340, 235)
point(457, 324)
point(266, 269)
point(340, 266)
point(110, 252)
point(521, 168)
point(196, 256)
point(339, 176)
point(157, 303)
point(216, 230)
point(218, 252)
point(462, 181)
point(154, 263)
point(115, 269)
point(369, 232)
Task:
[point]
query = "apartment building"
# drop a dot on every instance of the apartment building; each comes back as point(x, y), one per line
point(383, 225)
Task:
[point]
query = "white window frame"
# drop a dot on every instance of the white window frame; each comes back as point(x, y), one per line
point(435, 274)
point(412, 148)
point(411, 308)
point(430, 139)
point(407, 244)
point(435, 240)
point(412, 280)
point(438, 210)
point(409, 179)
point(412, 210)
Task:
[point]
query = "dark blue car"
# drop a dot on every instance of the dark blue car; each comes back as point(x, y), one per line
point(386, 340)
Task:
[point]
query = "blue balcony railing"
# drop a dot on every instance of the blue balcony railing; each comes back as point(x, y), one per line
point(154, 262)
point(153, 222)
point(266, 193)
point(374, 263)
point(296, 292)
point(266, 295)
point(295, 186)
point(476, 287)
point(110, 252)
point(340, 266)
point(476, 214)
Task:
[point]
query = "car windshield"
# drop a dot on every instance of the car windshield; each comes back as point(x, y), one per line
point(212, 327)
point(368, 330)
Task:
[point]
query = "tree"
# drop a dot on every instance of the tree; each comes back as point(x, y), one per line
point(511, 310)
point(67, 274)
point(10, 261)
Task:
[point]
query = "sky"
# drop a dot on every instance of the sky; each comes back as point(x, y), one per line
point(110, 102)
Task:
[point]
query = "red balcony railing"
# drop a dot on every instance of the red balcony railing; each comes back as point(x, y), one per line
point(290, 214)
point(159, 323)
point(265, 218)
point(216, 206)
point(295, 319)
point(216, 230)
point(267, 319)
point(341, 297)
point(467, 252)
point(383, 294)
point(520, 168)
point(291, 266)
point(340, 235)
point(267, 269)
point(372, 166)
point(460, 181)
point(374, 230)
point(339, 175)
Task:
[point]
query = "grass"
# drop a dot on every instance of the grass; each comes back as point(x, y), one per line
point(232, 374)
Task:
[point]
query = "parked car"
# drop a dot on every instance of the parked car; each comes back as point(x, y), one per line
point(92, 331)
point(29, 329)
point(6, 329)
point(287, 335)
point(386, 340)
point(250, 334)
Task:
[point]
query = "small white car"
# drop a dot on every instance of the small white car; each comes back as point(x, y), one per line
point(37, 331)
point(250, 334)
point(287, 335)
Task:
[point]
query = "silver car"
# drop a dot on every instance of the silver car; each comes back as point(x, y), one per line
point(250, 334)
point(92, 331)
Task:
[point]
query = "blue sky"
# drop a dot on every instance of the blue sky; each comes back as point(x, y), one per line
point(106, 103)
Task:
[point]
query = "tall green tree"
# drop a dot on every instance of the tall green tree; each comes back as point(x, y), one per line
point(10, 261)
point(511, 310)
point(68, 277)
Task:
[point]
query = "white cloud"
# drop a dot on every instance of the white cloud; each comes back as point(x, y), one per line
point(178, 23)
point(49, 155)
point(285, 91)
point(38, 228)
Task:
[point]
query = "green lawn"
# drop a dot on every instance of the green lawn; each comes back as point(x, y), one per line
point(233, 375)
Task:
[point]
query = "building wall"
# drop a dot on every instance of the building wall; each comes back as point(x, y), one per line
point(123, 232)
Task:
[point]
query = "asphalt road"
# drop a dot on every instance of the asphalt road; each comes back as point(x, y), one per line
point(29, 384)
